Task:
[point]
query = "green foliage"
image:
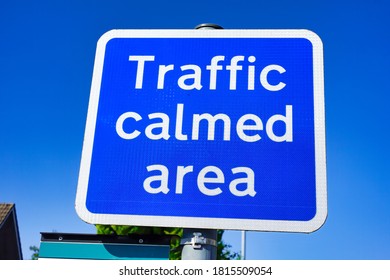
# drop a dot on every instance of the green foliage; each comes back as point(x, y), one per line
point(35, 254)
point(223, 250)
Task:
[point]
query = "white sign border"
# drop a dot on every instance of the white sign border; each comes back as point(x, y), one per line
point(201, 222)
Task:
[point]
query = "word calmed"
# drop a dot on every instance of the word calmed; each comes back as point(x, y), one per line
point(157, 126)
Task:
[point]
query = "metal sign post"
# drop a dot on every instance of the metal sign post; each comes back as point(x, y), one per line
point(243, 245)
point(200, 244)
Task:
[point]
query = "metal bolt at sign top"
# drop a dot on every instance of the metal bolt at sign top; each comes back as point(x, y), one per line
point(208, 26)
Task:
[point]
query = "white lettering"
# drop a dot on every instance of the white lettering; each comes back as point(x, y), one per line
point(193, 79)
point(196, 77)
point(211, 127)
point(249, 181)
point(162, 70)
point(287, 120)
point(214, 67)
point(210, 181)
point(119, 125)
point(140, 67)
point(264, 75)
point(219, 178)
point(163, 179)
point(233, 67)
point(251, 73)
point(164, 126)
point(179, 123)
point(247, 127)
point(181, 171)
point(242, 127)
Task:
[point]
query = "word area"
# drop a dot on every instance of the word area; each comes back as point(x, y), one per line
point(210, 179)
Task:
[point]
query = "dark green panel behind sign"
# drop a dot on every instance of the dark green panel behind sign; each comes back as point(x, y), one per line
point(63, 246)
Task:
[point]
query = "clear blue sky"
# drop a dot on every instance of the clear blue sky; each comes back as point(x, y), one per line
point(47, 51)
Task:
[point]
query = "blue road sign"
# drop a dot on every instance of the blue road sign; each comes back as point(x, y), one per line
point(216, 129)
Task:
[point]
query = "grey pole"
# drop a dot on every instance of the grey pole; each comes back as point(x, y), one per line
point(243, 244)
point(200, 244)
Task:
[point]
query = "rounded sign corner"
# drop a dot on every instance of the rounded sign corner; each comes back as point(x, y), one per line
point(106, 37)
point(313, 37)
point(318, 221)
point(84, 214)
